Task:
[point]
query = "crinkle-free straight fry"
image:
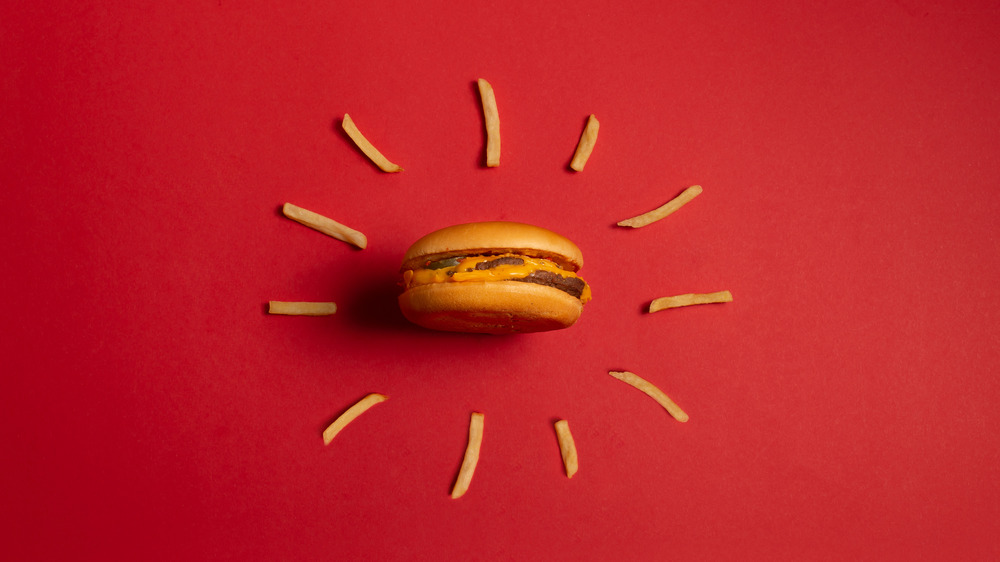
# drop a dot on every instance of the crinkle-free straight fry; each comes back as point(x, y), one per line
point(302, 308)
point(689, 299)
point(370, 151)
point(665, 210)
point(491, 119)
point(653, 392)
point(567, 448)
point(348, 416)
point(471, 456)
point(325, 225)
point(586, 145)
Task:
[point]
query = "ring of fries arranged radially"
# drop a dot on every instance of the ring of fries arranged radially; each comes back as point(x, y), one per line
point(491, 123)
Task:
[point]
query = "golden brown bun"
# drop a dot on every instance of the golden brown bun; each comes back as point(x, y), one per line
point(498, 237)
point(491, 307)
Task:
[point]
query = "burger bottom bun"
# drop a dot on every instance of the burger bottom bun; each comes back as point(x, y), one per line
point(489, 307)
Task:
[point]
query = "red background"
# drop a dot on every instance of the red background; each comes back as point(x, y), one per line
point(844, 406)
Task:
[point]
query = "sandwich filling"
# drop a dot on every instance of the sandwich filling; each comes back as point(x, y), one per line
point(504, 267)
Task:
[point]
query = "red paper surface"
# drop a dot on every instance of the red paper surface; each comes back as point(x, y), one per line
point(842, 407)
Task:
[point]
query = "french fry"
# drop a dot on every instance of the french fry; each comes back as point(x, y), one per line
point(567, 448)
point(325, 225)
point(370, 151)
point(491, 118)
point(665, 210)
point(586, 145)
point(302, 308)
point(653, 392)
point(348, 416)
point(689, 299)
point(471, 456)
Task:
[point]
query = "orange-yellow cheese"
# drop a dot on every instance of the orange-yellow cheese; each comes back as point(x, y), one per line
point(466, 271)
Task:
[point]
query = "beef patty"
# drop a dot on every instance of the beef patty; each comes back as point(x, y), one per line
point(571, 285)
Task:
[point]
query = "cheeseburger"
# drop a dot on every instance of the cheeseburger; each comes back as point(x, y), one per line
point(493, 277)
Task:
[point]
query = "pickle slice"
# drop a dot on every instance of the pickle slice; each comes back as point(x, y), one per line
point(447, 262)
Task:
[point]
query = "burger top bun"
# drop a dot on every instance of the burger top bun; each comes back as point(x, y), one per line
point(496, 237)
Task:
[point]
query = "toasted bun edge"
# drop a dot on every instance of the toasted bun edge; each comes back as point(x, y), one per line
point(493, 237)
point(496, 307)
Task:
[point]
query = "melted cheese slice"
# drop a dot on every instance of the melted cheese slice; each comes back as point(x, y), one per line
point(466, 271)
